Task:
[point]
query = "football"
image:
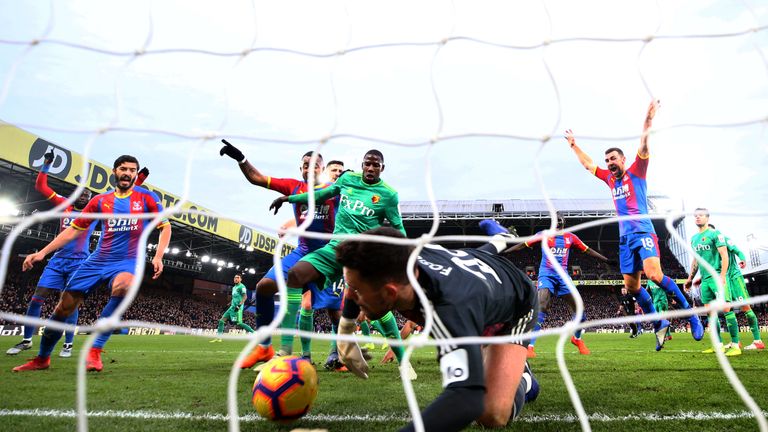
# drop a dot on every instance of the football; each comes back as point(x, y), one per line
point(285, 389)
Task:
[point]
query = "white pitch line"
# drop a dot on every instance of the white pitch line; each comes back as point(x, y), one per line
point(567, 418)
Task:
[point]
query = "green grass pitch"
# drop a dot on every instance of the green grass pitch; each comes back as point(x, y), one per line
point(178, 383)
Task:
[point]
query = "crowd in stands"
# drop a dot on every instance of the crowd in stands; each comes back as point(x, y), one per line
point(166, 307)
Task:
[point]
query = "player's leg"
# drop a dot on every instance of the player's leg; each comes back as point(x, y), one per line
point(69, 335)
point(332, 362)
point(739, 292)
point(504, 366)
point(649, 252)
point(121, 281)
point(576, 338)
point(307, 323)
point(545, 292)
point(632, 282)
point(34, 308)
point(732, 323)
point(239, 320)
point(708, 295)
point(300, 275)
point(68, 303)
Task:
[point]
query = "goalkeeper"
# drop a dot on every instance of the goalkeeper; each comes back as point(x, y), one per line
point(234, 313)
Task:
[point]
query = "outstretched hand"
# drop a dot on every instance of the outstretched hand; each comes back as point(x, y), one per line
point(276, 204)
point(569, 136)
point(48, 158)
point(231, 151)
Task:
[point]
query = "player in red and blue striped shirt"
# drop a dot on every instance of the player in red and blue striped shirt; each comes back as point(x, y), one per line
point(638, 244)
point(323, 222)
point(551, 284)
point(113, 261)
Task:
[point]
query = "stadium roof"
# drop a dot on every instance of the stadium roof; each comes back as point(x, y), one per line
point(510, 209)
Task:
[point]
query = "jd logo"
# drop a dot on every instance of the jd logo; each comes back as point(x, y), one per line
point(62, 158)
point(246, 236)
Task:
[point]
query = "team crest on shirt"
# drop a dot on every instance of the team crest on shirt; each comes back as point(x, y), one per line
point(137, 206)
point(375, 199)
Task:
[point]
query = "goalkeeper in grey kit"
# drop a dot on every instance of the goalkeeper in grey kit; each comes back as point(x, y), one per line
point(473, 292)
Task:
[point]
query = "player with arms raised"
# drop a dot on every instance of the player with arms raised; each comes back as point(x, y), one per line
point(638, 244)
point(473, 293)
point(549, 283)
point(113, 261)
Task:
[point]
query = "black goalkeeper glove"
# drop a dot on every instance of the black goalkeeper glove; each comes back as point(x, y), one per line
point(48, 158)
point(232, 152)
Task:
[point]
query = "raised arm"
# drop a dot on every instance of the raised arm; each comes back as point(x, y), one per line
point(41, 184)
point(584, 158)
point(253, 175)
point(643, 150)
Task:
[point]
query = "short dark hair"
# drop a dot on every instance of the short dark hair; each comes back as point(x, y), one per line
point(335, 162)
point(123, 159)
point(239, 274)
point(616, 149)
point(309, 153)
point(376, 262)
point(702, 209)
point(375, 153)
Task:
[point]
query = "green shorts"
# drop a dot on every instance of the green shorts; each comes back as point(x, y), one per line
point(737, 288)
point(324, 261)
point(660, 301)
point(233, 315)
point(709, 291)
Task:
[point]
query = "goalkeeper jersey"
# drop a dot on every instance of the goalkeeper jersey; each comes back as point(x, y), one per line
point(706, 244)
point(362, 206)
point(238, 294)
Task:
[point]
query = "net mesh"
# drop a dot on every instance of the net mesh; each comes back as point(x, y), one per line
point(448, 54)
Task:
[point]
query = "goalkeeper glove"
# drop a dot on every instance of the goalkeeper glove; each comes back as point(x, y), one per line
point(349, 352)
point(48, 158)
point(232, 152)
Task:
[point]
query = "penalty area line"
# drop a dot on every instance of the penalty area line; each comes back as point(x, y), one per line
point(542, 418)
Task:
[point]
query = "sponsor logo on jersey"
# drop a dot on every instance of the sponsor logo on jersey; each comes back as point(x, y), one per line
point(621, 192)
point(356, 206)
point(322, 212)
point(117, 225)
point(701, 247)
point(558, 251)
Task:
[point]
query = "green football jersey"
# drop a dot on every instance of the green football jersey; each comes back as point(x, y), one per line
point(238, 294)
point(706, 244)
point(734, 256)
point(362, 206)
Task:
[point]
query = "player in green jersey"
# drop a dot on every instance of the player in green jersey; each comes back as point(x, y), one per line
point(710, 245)
point(660, 301)
point(738, 290)
point(365, 202)
point(234, 313)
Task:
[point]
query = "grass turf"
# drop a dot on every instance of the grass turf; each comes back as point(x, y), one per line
point(624, 383)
